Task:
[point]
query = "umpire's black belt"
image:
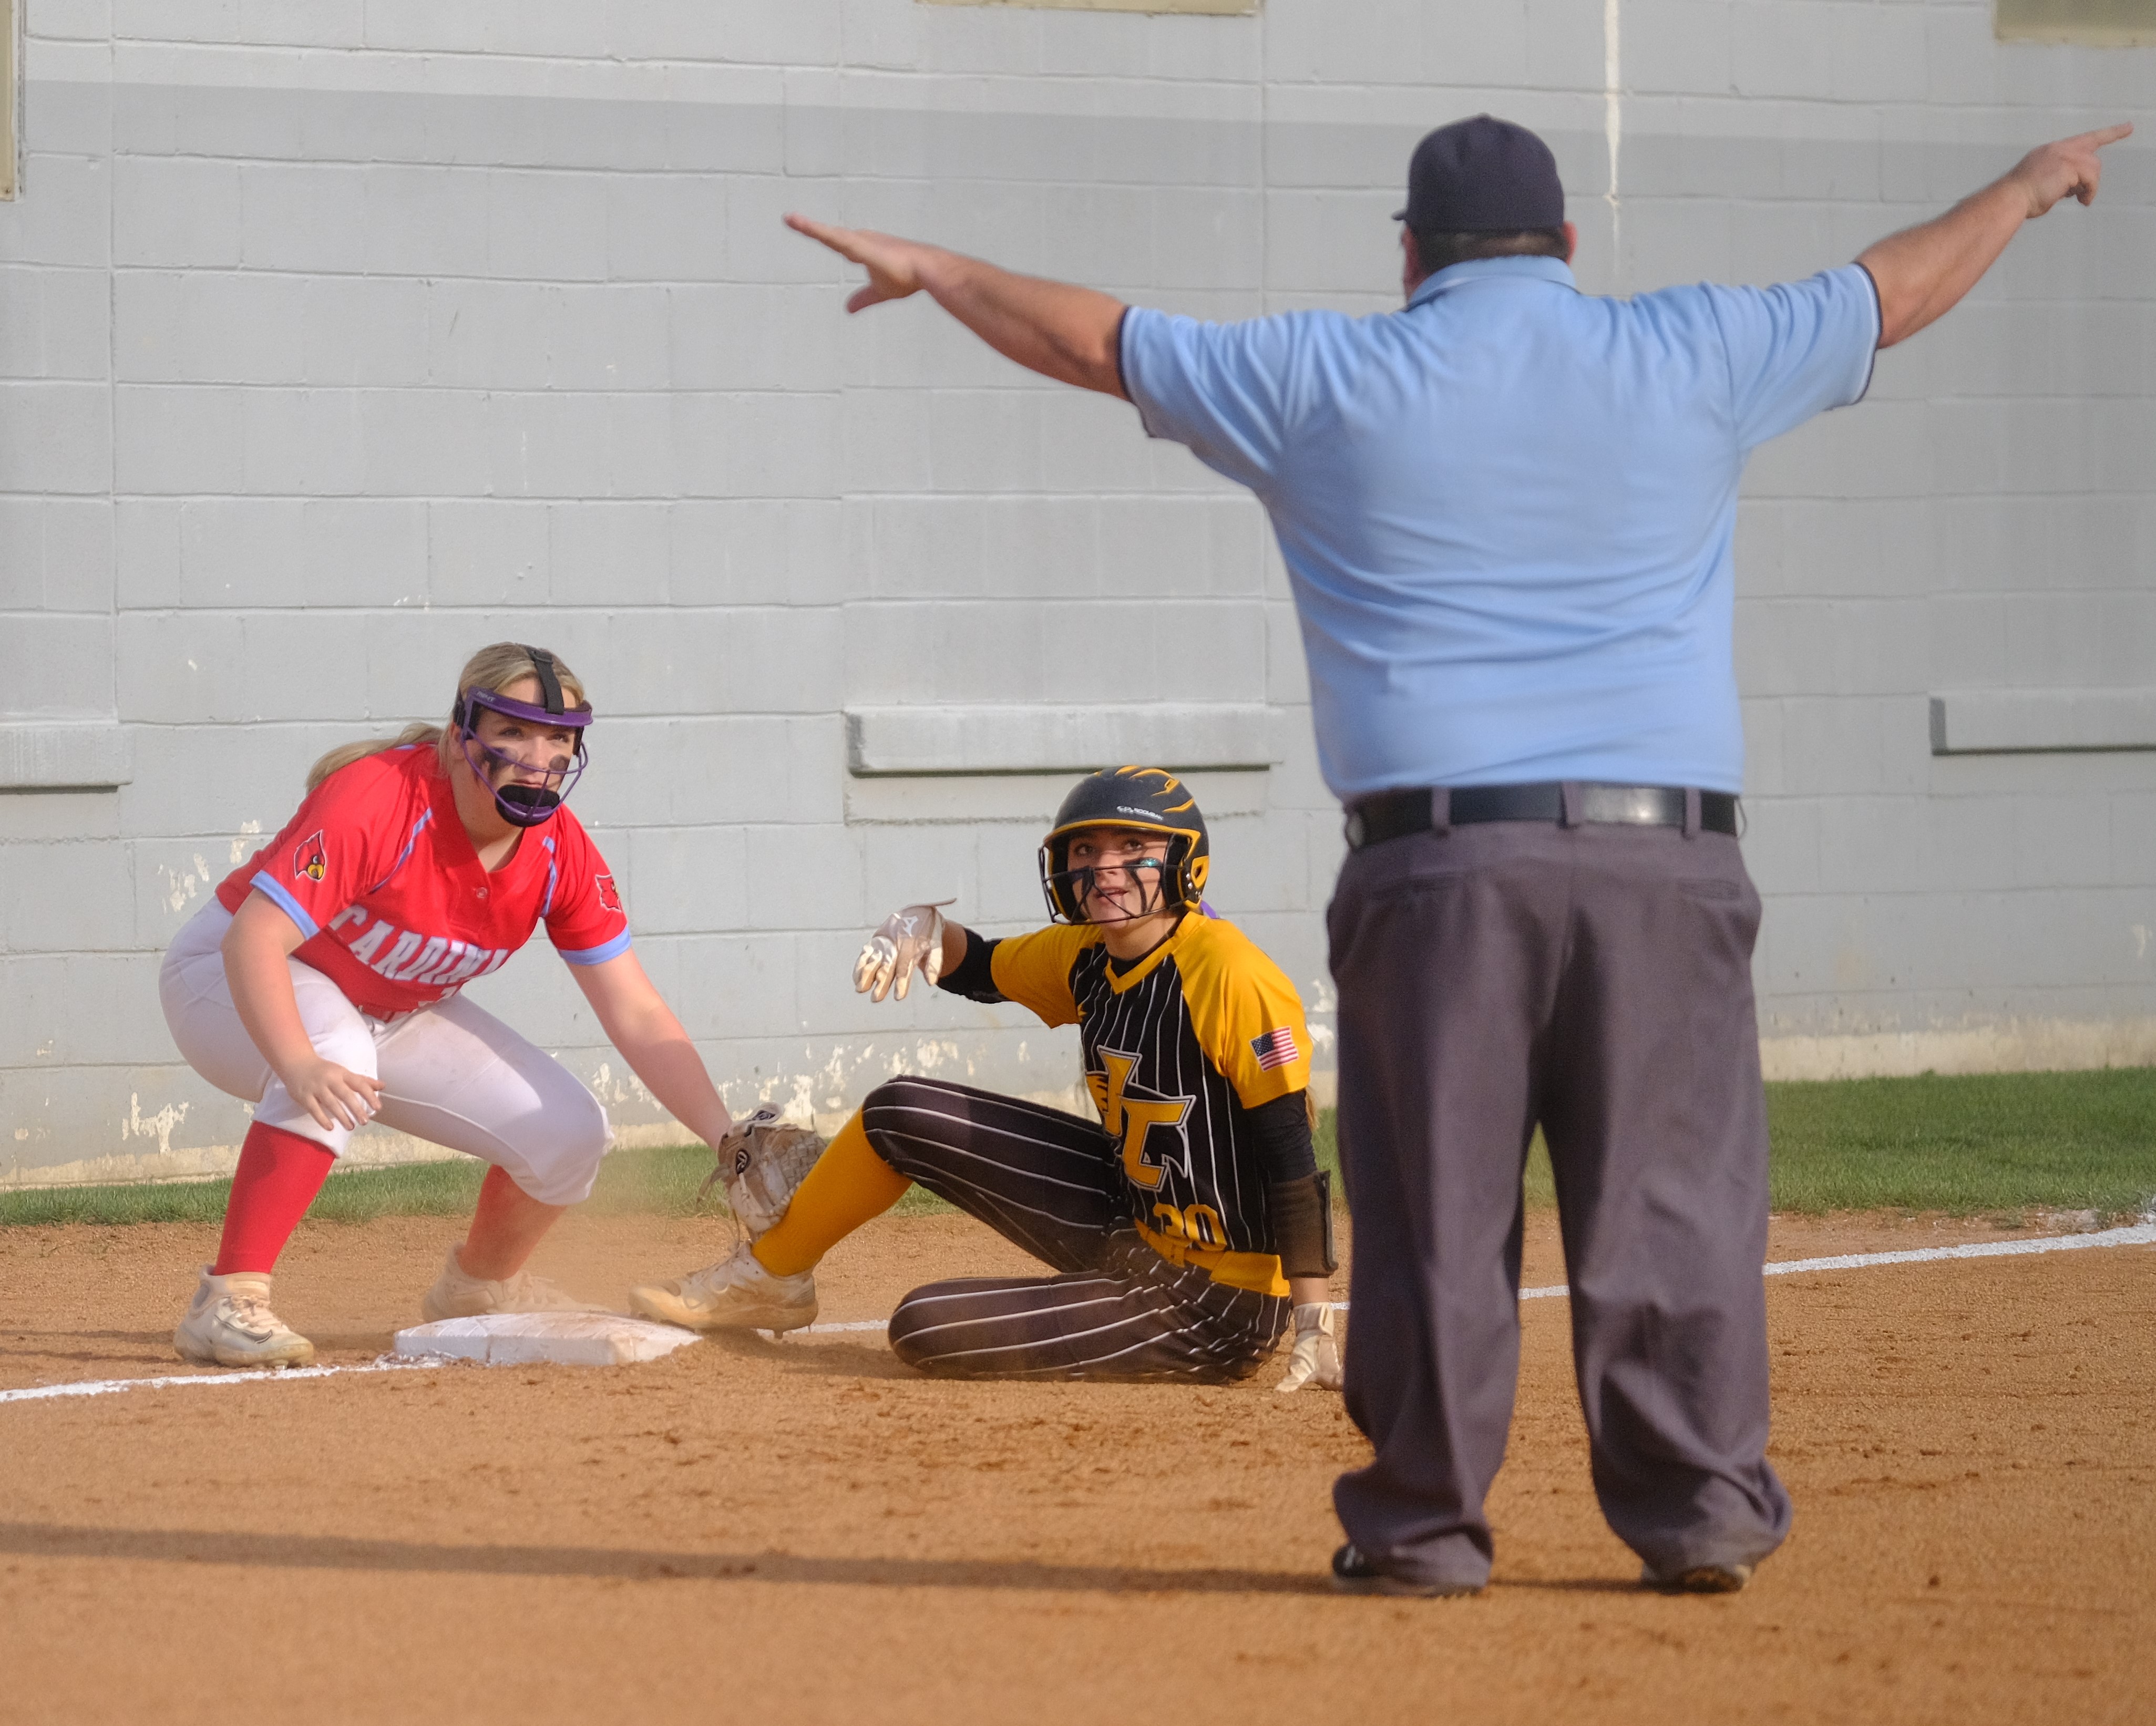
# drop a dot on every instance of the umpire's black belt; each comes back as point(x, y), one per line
point(1422, 808)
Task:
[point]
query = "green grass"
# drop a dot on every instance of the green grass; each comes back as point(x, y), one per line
point(661, 1182)
point(651, 1182)
point(1990, 1145)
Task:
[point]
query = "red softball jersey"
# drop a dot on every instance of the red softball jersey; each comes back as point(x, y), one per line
point(379, 874)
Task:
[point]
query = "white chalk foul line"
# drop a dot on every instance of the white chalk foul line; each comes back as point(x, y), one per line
point(180, 1381)
point(2139, 1235)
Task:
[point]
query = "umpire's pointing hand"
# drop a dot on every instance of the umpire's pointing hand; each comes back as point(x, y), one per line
point(1066, 333)
point(894, 265)
point(1922, 272)
point(2068, 168)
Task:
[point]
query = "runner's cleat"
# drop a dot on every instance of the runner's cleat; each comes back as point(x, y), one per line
point(736, 1293)
point(229, 1323)
point(457, 1294)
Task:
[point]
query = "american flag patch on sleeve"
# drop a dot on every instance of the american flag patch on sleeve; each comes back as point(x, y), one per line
point(1276, 1048)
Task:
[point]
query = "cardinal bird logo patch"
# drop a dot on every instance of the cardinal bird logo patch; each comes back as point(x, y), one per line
point(308, 859)
point(609, 895)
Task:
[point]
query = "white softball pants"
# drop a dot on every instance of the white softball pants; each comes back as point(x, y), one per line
point(451, 1073)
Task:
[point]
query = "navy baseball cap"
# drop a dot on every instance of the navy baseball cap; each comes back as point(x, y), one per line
point(1482, 176)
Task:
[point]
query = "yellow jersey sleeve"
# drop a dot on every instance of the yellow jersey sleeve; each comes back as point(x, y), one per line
point(1247, 1016)
point(1034, 970)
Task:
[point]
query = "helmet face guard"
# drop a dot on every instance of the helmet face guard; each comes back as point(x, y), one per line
point(524, 803)
point(1075, 887)
point(1143, 799)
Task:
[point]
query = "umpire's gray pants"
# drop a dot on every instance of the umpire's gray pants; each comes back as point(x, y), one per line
point(1596, 978)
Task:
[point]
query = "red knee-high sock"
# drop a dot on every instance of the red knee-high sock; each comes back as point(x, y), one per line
point(279, 1173)
point(506, 1225)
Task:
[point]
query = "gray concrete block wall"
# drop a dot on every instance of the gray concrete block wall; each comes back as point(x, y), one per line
point(336, 340)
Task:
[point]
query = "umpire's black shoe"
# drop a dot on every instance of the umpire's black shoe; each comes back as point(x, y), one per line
point(1353, 1573)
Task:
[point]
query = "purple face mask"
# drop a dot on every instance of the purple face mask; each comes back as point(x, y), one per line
point(523, 802)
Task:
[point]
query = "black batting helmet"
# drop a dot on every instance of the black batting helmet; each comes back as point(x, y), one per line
point(1148, 799)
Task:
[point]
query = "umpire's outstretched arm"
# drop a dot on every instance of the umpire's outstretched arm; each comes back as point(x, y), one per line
point(1071, 333)
point(1922, 272)
point(1066, 333)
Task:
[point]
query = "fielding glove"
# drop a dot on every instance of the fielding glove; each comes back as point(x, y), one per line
point(1314, 1358)
point(762, 1160)
point(910, 940)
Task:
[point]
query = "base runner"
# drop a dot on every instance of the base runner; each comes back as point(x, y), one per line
point(1186, 1230)
point(321, 984)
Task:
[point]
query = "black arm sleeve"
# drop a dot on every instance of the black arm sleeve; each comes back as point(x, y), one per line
point(972, 977)
point(1303, 1224)
point(1280, 1129)
point(1299, 1198)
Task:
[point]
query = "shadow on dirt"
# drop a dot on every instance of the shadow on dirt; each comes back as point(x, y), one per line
point(136, 1346)
point(825, 1357)
point(154, 1348)
point(814, 1357)
point(326, 1552)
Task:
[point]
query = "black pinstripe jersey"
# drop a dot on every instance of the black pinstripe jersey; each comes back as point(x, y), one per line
point(1179, 1047)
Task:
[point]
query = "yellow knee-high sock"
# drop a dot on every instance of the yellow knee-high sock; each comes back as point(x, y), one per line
point(849, 1184)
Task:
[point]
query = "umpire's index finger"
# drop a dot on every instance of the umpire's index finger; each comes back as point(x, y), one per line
point(824, 233)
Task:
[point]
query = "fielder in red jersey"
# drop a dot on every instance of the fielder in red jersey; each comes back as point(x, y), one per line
point(323, 984)
point(380, 878)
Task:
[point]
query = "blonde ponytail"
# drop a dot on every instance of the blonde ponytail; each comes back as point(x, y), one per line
point(347, 753)
point(495, 668)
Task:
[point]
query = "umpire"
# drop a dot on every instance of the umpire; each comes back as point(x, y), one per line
point(1507, 510)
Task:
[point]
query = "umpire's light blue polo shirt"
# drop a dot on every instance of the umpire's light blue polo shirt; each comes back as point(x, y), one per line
point(1507, 508)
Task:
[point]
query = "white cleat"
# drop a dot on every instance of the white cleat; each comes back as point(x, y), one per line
point(458, 1294)
point(736, 1293)
point(229, 1323)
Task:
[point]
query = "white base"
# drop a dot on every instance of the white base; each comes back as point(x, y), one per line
point(552, 1338)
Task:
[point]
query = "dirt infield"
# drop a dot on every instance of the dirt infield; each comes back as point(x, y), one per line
point(806, 1532)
